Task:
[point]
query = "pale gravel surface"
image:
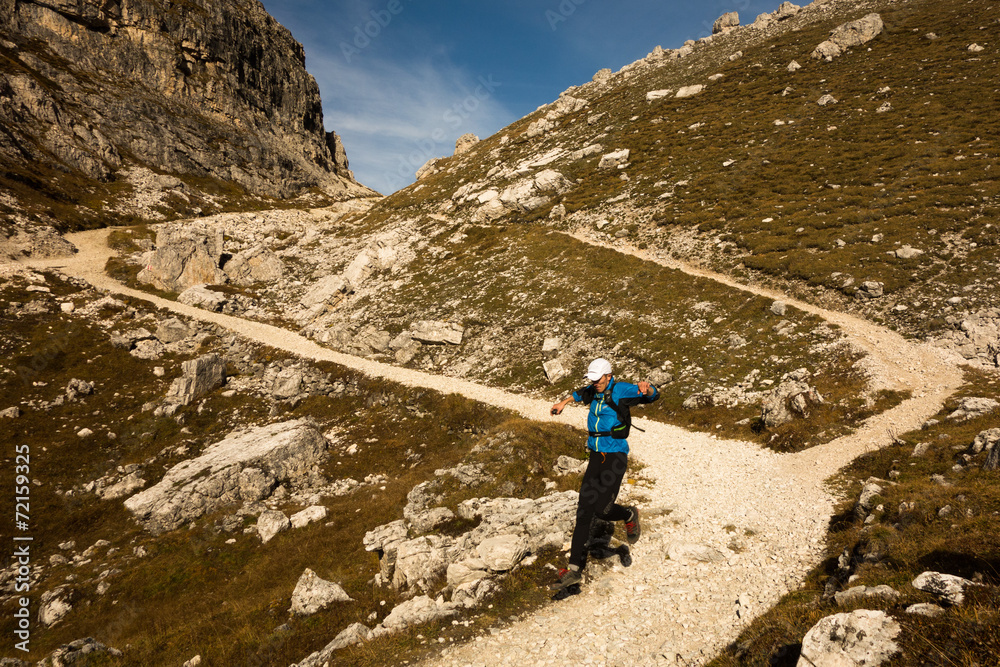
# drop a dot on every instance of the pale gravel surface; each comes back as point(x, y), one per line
point(660, 611)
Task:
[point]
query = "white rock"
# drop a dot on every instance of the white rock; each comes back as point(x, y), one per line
point(862, 637)
point(654, 95)
point(270, 523)
point(503, 552)
point(690, 91)
point(613, 159)
point(312, 594)
point(67, 307)
point(244, 467)
point(308, 515)
point(946, 586)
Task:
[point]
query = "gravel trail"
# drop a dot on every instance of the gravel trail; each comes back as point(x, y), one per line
point(763, 515)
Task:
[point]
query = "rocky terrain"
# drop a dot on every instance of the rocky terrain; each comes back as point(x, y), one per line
point(146, 110)
point(321, 435)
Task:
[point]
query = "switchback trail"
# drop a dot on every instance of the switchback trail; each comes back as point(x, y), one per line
point(764, 516)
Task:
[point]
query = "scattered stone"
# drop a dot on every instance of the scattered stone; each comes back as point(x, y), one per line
point(690, 91)
point(791, 397)
point(945, 586)
point(862, 637)
point(81, 651)
point(869, 290)
point(270, 523)
point(975, 48)
point(567, 465)
point(985, 440)
point(11, 413)
point(654, 95)
point(434, 332)
point(198, 377)
point(465, 143)
point(859, 593)
point(973, 408)
point(84, 433)
point(172, 330)
point(53, 606)
point(148, 349)
point(312, 594)
point(421, 609)
point(726, 22)
point(328, 290)
point(786, 11)
point(779, 308)
point(925, 609)
point(850, 34)
point(614, 159)
point(245, 467)
point(309, 515)
point(554, 370)
point(826, 99)
point(67, 307)
point(794, 66)
point(256, 265)
point(200, 296)
point(503, 552)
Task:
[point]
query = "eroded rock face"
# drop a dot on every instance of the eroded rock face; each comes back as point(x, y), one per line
point(245, 467)
point(205, 88)
point(850, 34)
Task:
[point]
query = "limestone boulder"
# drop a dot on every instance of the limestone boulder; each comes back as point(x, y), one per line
point(503, 552)
point(726, 22)
point(435, 332)
point(948, 587)
point(419, 610)
point(185, 256)
point(790, 398)
point(200, 296)
point(172, 330)
point(245, 467)
point(464, 143)
point(862, 637)
point(848, 35)
point(270, 523)
point(328, 290)
point(256, 265)
point(198, 377)
point(313, 594)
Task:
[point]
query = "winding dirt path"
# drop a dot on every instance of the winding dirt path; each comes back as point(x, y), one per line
point(763, 516)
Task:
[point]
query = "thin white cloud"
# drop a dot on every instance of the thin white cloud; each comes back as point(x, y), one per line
point(393, 117)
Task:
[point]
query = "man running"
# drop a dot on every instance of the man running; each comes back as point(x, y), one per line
point(608, 424)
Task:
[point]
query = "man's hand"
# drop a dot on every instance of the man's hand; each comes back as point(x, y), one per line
point(558, 407)
point(645, 388)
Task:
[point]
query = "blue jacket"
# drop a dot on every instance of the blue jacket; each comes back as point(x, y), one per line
point(603, 417)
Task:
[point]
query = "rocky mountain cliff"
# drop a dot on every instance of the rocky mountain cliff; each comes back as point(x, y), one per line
point(188, 106)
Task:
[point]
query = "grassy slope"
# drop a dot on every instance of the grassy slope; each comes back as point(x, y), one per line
point(194, 593)
point(920, 174)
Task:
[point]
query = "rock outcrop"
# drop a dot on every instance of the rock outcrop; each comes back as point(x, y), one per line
point(862, 637)
point(197, 90)
point(245, 467)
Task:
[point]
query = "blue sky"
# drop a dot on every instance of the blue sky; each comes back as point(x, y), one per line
point(402, 79)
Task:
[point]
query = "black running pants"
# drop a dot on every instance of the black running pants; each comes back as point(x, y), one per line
point(598, 492)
